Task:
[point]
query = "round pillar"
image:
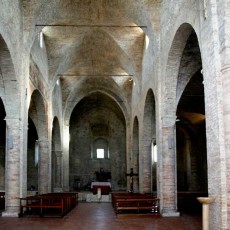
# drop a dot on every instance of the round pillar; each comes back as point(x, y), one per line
point(205, 201)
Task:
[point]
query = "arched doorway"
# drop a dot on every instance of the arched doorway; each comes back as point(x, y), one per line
point(190, 129)
point(37, 113)
point(148, 172)
point(183, 62)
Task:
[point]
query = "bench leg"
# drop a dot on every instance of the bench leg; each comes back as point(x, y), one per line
point(20, 214)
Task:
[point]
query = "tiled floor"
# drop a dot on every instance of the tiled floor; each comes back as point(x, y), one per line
point(100, 216)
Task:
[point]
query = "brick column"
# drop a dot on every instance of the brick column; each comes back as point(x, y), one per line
point(43, 167)
point(169, 177)
point(146, 166)
point(145, 163)
point(57, 171)
point(12, 174)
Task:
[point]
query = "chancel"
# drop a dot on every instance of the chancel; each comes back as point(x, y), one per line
point(102, 182)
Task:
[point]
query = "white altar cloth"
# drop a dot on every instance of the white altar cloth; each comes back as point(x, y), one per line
point(104, 183)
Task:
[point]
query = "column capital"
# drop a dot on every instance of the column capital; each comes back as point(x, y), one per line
point(13, 126)
point(43, 143)
point(66, 123)
point(11, 118)
point(11, 121)
point(168, 121)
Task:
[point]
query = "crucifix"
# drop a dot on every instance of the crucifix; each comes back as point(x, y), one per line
point(131, 175)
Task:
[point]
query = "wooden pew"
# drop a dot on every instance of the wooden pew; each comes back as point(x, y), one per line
point(51, 204)
point(126, 196)
point(30, 205)
point(70, 199)
point(131, 203)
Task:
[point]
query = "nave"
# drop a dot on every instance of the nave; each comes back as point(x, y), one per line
point(101, 216)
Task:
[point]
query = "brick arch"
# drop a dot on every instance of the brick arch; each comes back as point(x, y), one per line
point(173, 66)
point(70, 107)
point(148, 134)
point(8, 79)
point(37, 112)
point(190, 63)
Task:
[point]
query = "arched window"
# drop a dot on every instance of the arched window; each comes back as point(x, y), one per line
point(154, 152)
point(100, 149)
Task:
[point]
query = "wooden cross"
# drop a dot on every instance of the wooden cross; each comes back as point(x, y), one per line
point(131, 174)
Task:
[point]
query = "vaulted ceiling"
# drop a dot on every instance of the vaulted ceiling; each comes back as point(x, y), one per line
point(90, 43)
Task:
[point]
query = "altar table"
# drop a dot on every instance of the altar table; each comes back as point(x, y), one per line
point(104, 186)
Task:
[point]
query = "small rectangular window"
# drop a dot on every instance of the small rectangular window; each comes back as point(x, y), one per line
point(100, 153)
point(36, 156)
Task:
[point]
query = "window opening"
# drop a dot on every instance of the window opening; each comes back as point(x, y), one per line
point(154, 152)
point(100, 153)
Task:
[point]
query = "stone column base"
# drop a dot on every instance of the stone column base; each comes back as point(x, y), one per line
point(170, 214)
point(58, 189)
point(66, 189)
point(9, 214)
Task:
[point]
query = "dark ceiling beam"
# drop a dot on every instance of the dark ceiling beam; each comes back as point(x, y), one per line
point(108, 26)
point(95, 75)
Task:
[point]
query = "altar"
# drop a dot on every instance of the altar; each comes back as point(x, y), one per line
point(105, 187)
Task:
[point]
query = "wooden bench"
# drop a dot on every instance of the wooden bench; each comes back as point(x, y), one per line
point(51, 204)
point(126, 203)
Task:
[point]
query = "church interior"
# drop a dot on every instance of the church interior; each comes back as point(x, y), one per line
point(106, 96)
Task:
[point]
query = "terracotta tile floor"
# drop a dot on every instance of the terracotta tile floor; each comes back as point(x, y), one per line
point(100, 216)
